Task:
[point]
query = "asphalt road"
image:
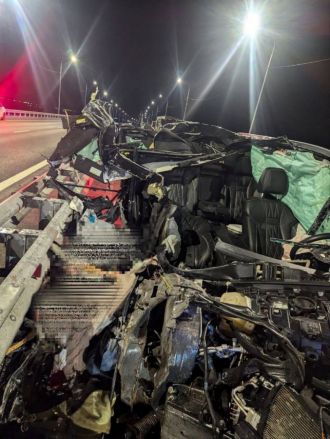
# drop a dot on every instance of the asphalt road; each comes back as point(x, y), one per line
point(26, 143)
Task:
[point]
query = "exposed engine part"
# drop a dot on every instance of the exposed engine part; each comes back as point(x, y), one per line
point(239, 406)
point(185, 414)
point(144, 425)
point(165, 329)
point(273, 412)
point(239, 299)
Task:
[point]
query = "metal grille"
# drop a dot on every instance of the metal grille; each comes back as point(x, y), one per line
point(288, 419)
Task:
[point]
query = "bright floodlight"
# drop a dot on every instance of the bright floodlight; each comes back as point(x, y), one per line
point(152, 102)
point(116, 105)
point(160, 95)
point(105, 93)
point(179, 80)
point(73, 58)
point(251, 24)
point(94, 82)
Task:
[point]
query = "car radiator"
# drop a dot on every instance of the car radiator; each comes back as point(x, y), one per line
point(288, 418)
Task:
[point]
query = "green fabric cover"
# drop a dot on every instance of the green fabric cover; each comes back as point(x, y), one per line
point(309, 182)
point(91, 151)
point(131, 140)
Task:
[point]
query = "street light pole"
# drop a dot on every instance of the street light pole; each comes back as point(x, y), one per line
point(166, 108)
point(60, 88)
point(160, 97)
point(85, 93)
point(74, 60)
point(186, 105)
point(179, 81)
point(262, 88)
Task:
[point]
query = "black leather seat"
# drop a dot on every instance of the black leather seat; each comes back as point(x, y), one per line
point(237, 186)
point(268, 217)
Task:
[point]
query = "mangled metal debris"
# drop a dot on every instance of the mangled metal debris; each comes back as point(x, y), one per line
point(188, 294)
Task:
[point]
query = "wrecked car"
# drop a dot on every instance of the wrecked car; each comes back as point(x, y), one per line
point(188, 294)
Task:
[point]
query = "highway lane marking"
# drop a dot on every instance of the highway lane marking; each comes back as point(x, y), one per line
point(50, 130)
point(12, 180)
point(37, 129)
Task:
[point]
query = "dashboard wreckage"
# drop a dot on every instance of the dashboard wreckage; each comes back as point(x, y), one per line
point(177, 286)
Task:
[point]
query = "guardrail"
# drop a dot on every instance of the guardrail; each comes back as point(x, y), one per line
point(30, 115)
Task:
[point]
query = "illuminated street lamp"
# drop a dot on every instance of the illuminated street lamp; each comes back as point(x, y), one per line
point(152, 111)
point(252, 24)
point(74, 60)
point(251, 28)
point(114, 108)
point(94, 82)
point(105, 93)
point(179, 82)
point(160, 97)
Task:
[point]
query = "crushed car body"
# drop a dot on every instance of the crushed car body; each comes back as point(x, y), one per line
point(183, 290)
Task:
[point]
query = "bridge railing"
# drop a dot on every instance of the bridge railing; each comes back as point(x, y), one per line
point(30, 115)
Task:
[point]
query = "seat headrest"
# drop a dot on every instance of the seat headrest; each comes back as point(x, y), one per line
point(273, 181)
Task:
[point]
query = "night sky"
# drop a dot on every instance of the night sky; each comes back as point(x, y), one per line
point(136, 49)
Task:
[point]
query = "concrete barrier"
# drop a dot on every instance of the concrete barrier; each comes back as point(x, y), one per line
point(31, 115)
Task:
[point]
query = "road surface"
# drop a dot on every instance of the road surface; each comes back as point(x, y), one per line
point(26, 143)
